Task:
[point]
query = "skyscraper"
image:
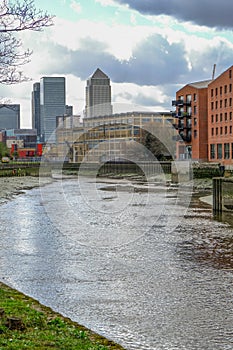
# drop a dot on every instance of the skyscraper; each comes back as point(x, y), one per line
point(9, 116)
point(98, 95)
point(52, 104)
point(36, 108)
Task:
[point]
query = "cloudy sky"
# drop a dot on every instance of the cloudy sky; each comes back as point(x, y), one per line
point(148, 48)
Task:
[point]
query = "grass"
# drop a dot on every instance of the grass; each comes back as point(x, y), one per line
point(26, 324)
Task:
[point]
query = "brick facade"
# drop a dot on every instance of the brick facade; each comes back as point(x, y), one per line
point(192, 116)
point(220, 109)
point(204, 114)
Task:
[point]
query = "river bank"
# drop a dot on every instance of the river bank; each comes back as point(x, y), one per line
point(26, 324)
point(11, 186)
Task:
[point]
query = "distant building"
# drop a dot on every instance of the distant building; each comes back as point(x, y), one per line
point(98, 95)
point(106, 137)
point(68, 110)
point(52, 104)
point(9, 116)
point(22, 137)
point(36, 108)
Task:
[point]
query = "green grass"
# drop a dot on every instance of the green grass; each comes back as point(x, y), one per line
point(41, 328)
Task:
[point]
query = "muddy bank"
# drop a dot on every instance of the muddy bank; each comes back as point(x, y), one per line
point(11, 186)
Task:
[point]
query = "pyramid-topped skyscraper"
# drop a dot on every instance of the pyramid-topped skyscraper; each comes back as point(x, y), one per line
point(98, 95)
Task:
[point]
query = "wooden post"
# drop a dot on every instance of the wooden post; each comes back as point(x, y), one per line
point(217, 194)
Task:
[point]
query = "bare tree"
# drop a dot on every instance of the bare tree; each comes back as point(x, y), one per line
point(15, 17)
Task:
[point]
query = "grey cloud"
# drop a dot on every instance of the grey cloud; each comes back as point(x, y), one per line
point(212, 13)
point(153, 62)
point(138, 99)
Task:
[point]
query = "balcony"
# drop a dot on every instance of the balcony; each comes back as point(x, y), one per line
point(181, 103)
point(181, 115)
point(183, 137)
point(178, 126)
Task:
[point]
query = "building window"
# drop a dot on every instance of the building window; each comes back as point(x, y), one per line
point(230, 116)
point(220, 117)
point(212, 151)
point(225, 130)
point(216, 104)
point(195, 121)
point(230, 102)
point(212, 92)
point(225, 117)
point(212, 105)
point(221, 130)
point(226, 150)
point(212, 118)
point(216, 118)
point(194, 97)
point(216, 91)
point(212, 131)
point(220, 103)
point(195, 133)
point(230, 87)
point(230, 131)
point(216, 133)
point(220, 90)
point(225, 102)
point(219, 151)
point(195, 110)
point(225, 89)
point(230, 73)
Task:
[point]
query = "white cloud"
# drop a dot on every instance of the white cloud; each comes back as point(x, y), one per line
point(106, 2)
point(76, 6)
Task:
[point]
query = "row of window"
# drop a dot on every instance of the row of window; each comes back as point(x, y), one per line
point(221, 151)
point(221, 89)
point(219, 118)
point(222, 103)
point(188, 98)
point(219, 131)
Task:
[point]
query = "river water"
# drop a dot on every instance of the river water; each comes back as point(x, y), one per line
point(143, 268)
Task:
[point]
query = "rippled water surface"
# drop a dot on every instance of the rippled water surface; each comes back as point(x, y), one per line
point(118, 269)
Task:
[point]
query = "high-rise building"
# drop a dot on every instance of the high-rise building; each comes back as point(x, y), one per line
point(36, 108)
point(98, 95)
point(52, 104)
point(9, 116)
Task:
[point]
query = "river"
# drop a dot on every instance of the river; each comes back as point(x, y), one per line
point(141, 267)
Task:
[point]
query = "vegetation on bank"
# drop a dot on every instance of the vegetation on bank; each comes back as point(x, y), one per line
point(26, 324)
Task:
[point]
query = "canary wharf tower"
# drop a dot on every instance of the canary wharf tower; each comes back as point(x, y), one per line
point(98, 95)
point(52, 104)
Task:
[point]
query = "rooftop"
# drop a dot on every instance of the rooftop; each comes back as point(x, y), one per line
point(201, 84)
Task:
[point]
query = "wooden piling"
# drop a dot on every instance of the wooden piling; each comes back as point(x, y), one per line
point(217, 194)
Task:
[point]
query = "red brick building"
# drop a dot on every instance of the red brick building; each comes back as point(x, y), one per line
point(220, 108)
point(192, 121)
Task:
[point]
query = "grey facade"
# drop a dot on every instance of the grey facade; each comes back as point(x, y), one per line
point(98, 95)
point(52, 104)
point(9, 116)
point(69, 110)
point(36, 108)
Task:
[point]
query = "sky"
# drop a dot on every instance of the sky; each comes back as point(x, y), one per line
point(148, 48)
